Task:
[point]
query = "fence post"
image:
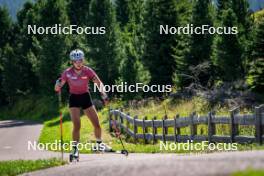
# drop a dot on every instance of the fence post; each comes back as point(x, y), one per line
point(178, 129)
point(135, 129)
point(258, 124)
point(143, 130)
point(211, 127)
point(163, 131)
point(127, 124)
point(165, 128)
point(120, 120)
point(116, 118)
point(193, 127)
point(175, 129)
point(110, 121)
point(146, 129)
point(233, 126)
point(154, 131)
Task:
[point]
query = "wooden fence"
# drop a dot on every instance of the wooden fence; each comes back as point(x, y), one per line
point(130, 125)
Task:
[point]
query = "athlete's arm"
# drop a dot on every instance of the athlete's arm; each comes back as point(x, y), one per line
point(100, 86)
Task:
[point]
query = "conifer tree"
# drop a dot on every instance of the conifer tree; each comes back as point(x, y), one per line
point(54, 48)
point(5, 29)
point(78, 12)
point(158, 53)
point(201, 44)
point(255, 77)
point(104, 50)
point(228, 50)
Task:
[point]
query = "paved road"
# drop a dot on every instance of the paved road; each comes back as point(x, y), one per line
point(16, 134)
point(159, 164)
point(14, 137)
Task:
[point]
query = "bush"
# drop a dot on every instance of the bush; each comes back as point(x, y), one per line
point(31, 107)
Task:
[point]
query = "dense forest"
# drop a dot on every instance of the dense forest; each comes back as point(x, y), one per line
point(15, 5)
point(132, 50)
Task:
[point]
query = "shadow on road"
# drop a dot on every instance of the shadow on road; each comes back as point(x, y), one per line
point(15, 123)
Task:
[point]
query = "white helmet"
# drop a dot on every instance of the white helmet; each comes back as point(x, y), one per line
point(76, 54)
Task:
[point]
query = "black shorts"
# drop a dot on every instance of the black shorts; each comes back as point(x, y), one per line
point(83, 101)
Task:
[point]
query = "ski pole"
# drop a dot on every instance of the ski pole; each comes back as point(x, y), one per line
point(117, 132)
point(61, 118)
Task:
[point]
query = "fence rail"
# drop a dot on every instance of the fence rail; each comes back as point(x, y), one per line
point(149, 131)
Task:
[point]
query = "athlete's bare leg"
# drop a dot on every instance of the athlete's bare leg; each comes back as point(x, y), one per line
point(91, 113)
point(75, 117)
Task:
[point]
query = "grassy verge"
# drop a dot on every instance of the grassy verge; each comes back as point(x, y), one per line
point(184, 108)
point(32, 107)
point(15, 167)
point(249, 172)
point(52, 127)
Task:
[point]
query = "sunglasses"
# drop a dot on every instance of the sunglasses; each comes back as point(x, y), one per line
point(78, 61)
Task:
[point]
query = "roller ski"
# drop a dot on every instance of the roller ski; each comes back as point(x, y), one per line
point(117, 133)
point(74, 156)
point(103, 148)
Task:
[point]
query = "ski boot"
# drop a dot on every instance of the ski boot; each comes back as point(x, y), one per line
point(74, 156)
point(101, 147)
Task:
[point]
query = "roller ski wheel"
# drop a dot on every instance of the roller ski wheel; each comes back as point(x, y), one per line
point(74, 158)
point(124, 152)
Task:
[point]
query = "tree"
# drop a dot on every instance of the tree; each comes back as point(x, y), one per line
point(241, 9)
point(228, 50)
point(9, 74)
point(158, 53)
point(78, 12)
point(5, 29)
point(54, 48)
point(26, 47)
point(181, 50)
point(244, 23)
point(105, 50)
point(222, 5)
point(245, 28)
point(131, 68)
point(122, 12)
point(127, 11)
point(201, 45)
point(255, 77)
point(130, 17)
point(6, 24)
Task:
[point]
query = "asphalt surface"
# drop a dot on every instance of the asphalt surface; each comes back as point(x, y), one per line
point(14, 138)
point(16, 134)
point(159, 164)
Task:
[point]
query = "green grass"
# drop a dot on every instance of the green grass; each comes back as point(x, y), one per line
point(31, 107)
point(15, 167)
point(39, 108)
point(87, 135)
point(249, 172)
point(182, 107)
